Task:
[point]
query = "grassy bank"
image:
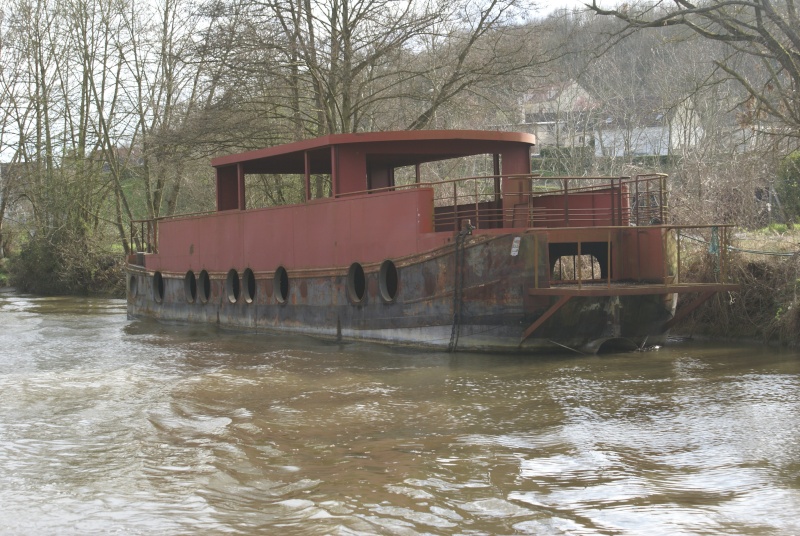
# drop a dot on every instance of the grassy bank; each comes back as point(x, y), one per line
point(766, 265)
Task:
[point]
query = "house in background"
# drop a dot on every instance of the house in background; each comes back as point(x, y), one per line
point(568, 116)
point(642, 127)
point(560, 115)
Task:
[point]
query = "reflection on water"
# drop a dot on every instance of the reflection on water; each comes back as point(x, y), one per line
point(109, 425)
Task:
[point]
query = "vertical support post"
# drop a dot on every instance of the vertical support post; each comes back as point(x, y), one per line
point(536, 261)
point(307, 176)
point(240, 186)
point(608, 260)
point(334, 171)
point(477, 213)
point(496, 172)
point(664, 237)
point(455, 207)
point(566, 202)
point(619, 198)
point(580, 265)
point(613, 208)
point(638, 201)
point(723, 256)
point(678, 246)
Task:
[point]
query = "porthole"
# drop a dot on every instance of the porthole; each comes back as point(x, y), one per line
point(133, 286)
point(356, 283)
point(281, 285)
point(158, 287)
point(190, 287)
point(204, 282)
point(232, 286)
point(388, 281)
point(249, 283)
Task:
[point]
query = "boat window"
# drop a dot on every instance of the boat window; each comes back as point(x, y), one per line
point(388, 281)
point(575, 267)
point(356, 283)
point(249, 282)
point(158, 287)
point(190, 287)
point(232, 285)
point(281, 284)
point(205, 286)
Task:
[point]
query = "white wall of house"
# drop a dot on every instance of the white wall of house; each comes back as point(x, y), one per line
point(635, 141)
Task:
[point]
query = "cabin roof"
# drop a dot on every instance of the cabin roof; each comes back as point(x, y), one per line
point(385, 149)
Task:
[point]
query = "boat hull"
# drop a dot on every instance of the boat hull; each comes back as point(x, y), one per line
point(471, 295)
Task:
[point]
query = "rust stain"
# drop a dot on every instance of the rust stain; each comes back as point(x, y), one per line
point(372, 286)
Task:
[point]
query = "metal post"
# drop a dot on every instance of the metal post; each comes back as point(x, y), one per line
point(477, 214)
point(664, 234)
point(613, 211)
point(455, 207)
point(608, 259)
point(678, 269)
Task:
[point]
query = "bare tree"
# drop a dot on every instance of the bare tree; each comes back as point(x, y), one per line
point(764, 32)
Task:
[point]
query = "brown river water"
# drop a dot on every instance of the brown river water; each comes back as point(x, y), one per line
point(130, 427)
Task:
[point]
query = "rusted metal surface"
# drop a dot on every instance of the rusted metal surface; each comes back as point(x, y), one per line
point(320, 267)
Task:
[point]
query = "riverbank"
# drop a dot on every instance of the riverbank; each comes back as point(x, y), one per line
point(766, 264)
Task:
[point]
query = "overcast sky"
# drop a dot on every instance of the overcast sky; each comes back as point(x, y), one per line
point(546, 6)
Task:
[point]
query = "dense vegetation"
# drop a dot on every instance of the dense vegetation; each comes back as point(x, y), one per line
point(110, 110)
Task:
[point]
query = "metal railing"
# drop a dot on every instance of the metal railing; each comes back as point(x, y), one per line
point(715, 240)
point(537, 202)
point(144, 235)
point(548, 202)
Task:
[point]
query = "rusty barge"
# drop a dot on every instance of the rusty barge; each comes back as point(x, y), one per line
point(373, 249)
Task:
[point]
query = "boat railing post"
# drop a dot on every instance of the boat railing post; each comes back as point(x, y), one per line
point(535, 261)
point(608, 259)
point(566, 202)
point(616, 210)
point(477, 214)
point(664, 235)
point(723, 256)
point(455, 206)
point(678, 246)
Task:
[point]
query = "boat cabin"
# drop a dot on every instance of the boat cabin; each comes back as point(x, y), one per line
point(361, 163)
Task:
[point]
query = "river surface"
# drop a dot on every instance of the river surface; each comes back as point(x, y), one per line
point(116, 426)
